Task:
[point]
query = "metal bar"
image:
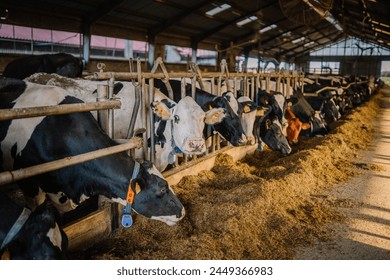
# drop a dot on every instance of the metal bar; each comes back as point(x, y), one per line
point(128, 76)
point(110, 129)
point(8, 177)
point(29, 112)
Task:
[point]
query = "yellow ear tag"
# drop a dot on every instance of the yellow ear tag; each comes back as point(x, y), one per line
point(247, 109)
point(210, 107)
point(137, 188)
point(268, 123)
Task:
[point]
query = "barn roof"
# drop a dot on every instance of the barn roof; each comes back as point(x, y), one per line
point(283, 29)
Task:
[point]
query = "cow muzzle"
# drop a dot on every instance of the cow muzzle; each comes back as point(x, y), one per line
point(194, 146)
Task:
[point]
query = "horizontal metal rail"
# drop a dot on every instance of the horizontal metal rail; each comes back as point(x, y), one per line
point(128, 76)
point(19, 113)
point(8, 177)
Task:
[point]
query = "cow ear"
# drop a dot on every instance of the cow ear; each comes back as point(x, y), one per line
point(268, 123)
point(161, 110)
point(246, 109)
point(214, 116)
point(260, 111)
point(292, 100)
point(305, 126)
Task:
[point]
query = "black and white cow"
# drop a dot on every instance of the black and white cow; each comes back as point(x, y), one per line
point(273, 125)
point(27, 235)
point(61, 63)
point(305, 112)
point(229, 126)
point(27, 142)
point(178, 125)
point(324, 102)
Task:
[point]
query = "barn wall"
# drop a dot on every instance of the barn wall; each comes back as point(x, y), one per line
point(111, 65)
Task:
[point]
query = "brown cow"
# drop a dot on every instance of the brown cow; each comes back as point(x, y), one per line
point(294, 126)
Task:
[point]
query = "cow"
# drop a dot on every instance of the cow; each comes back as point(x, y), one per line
point(270, 131)
point(32, 141)
point(295, 126)
point(305, 113)
point(178, 125)
point(61, 63)
point(229, 126)
point(30, 235)
point(325, 104)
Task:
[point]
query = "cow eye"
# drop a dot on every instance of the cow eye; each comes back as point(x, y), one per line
point(177, 118)
point(162, 192)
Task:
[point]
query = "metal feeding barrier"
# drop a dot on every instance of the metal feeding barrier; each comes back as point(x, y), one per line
point(216, 83)
point(244, 84)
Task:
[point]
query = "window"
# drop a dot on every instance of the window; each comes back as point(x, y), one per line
point(175, 54)
point(352, 47)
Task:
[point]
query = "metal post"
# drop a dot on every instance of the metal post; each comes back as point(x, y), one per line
point(102, 115)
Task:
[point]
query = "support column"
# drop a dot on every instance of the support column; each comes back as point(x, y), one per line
point(194, 47)
point(151, 50)
point(86, 31)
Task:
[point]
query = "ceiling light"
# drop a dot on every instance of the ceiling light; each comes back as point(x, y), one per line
point(218, 9)
point(298, 40)
point(247, 20)
point(308, 44)
point(268, 28)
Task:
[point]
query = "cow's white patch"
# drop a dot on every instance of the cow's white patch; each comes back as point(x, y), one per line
point(54, 235)
point(233, 102)
point(169, 220)
point(63, 207)
point(153, 170)
point(20, 130)
point(119, 201)
point(248, 121)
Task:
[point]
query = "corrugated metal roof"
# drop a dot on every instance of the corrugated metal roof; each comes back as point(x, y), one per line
point(186, 24)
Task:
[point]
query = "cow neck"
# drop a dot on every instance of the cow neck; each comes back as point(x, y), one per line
point(16, 227)
point(127, 221)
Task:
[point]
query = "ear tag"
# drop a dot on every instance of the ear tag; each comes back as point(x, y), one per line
point(172, 157)
point(127, 220)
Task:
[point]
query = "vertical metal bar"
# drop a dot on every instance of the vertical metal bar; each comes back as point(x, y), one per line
point(145, 120)
point(252, 95)
point(102, 116)
point(151, 121)
point(111, 111)
point(183, 94)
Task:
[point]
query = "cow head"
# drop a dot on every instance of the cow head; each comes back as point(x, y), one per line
point(40, 238)
point(154, 198)
point(186, 123)
point(329, 109)
point(271, 132)
point(294, 126)
point(249, 112)
point(230, 127)
point(275, 138)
